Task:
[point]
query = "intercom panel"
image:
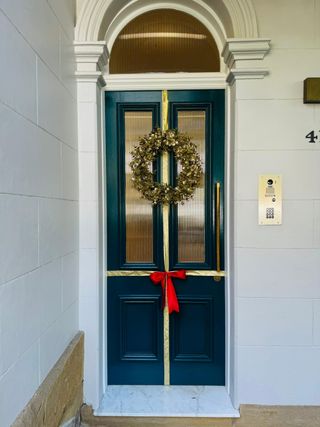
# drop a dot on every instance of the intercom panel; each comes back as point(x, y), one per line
point(270, 200)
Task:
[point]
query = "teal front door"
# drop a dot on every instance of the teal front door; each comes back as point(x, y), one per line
point(140, 348)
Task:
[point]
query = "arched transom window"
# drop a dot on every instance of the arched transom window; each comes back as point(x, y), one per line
point(164, 40)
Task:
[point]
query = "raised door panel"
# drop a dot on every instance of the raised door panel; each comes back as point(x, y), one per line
point(197, 333)
point(192, 330)
point(135, 331)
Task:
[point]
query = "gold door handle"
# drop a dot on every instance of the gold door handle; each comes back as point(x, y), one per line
point(217, 221)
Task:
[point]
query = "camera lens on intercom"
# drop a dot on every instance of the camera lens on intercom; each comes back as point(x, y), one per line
point(270, 181)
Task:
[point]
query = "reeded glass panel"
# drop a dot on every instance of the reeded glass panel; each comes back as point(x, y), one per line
point(166, 41)
point(139, 221)
point(191, 215)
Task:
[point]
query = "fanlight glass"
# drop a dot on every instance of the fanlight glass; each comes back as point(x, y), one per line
point(164, 40)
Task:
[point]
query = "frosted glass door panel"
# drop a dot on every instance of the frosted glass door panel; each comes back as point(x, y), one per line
point(139, 212)
point(191, 215)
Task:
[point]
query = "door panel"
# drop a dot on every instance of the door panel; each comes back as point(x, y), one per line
point(135, 331)
point(197, 333)
point(135, 244)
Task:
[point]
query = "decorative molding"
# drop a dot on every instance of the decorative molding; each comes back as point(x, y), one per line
point(91, 61)
point(100, 19)
point(244, 50)
point(241, 56)
point(246, 74)
point(82, 77)
point(243, 17)
point(92, 16)
point(158, 81)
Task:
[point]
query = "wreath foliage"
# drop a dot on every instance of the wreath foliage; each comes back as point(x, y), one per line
point(185, 152)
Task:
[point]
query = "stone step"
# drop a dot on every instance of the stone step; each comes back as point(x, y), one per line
point(88, 420)
point(251, 416)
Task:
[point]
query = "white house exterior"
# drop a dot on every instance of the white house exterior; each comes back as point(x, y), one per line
point(54, 75)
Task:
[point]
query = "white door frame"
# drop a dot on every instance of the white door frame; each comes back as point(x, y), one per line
point(181, 81)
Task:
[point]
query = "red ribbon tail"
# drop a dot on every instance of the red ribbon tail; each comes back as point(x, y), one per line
point(173, 304)
point(163, 285)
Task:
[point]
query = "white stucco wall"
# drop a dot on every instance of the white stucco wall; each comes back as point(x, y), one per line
point(38, 195)
point(277, 268)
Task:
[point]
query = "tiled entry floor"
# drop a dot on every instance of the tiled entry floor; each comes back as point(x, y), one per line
point(161, 401)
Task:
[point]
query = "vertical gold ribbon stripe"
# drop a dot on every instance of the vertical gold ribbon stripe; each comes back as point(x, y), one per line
point(166, 341)
point(165, 221)
point(165, 180)
point(165, 107)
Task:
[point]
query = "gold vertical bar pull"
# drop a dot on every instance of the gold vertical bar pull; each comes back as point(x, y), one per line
point(217, 220)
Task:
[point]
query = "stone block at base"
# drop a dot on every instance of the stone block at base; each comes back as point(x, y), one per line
point(59, 397)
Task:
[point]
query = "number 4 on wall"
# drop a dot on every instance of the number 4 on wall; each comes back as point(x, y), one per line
point(312, 137)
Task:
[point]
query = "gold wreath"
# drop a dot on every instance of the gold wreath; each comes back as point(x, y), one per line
point(184, 150)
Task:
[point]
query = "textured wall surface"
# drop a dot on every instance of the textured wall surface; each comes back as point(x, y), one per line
point(277, 268)
point(38, 195)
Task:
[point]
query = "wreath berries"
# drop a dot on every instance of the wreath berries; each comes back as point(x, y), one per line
point(185, 152)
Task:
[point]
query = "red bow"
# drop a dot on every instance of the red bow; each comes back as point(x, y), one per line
point(164, 278)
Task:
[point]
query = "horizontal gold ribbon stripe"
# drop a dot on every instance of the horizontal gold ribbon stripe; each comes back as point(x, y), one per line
point(129, 273)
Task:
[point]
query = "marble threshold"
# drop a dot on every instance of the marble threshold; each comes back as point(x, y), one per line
point(166, 401)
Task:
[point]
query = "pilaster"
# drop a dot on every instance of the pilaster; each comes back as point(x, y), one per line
point(91, 61)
